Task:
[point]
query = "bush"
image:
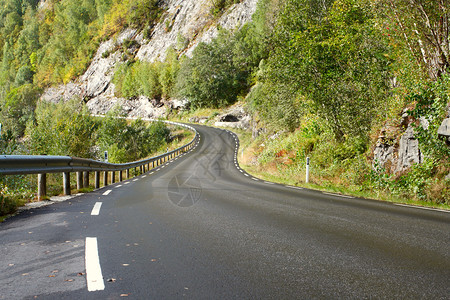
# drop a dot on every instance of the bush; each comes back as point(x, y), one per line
point(130, 142)
point(62, 129)
point(7, 205)
point(213, 77)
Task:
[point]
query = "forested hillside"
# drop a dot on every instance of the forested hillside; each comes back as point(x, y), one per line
point(359, 86)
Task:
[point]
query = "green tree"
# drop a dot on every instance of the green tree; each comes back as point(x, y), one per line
point(17, 108)
point(62, 129)
point(211, 78)
point(335, 60)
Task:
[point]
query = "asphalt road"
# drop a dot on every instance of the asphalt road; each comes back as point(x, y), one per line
point(201, 228)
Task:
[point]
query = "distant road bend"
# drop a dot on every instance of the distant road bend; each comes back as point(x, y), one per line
point(200, 227)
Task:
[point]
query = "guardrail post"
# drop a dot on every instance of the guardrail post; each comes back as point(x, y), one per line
point(153, 164)
point(120, 176)
point(105, 178)
point(79, 180)
point(97, 179)
point(42, 186)
point(113, 177)
point(128, 173)
point(85, 179)
point(66, 183)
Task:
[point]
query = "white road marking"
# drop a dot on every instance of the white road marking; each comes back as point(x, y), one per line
point(143, 176)
point(118, 186)
point(241, 171)
point(135, 179)
point(255, 179)
point(294, 187)
point(268, 182)
point(127, 182)
point(94, 277)
point(96, 210)
point(107, 192)
point(421, 207)
point(152, 173)
point(338, 195)
point(246, 175)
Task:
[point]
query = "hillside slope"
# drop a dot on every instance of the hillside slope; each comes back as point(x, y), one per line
point(184, 24)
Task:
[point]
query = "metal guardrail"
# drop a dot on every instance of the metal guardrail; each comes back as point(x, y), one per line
point(44, 164)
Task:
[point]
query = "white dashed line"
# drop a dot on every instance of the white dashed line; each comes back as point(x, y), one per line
point(152, 173)
point(143, 176)
point(107, 192)
point(268, 182)
point(255, 179)
point(246, 175)
point(127, 182)
point(135, 179)
point(96, 210)
point(338, 195)
point(294, 187)
point(119, 186)
point(421, 207)
point(94, 277)
point(241, 171)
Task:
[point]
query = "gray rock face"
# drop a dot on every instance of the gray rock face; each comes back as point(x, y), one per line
point(188, 21)
point(408, 152)
point(235, 117)
point(384, 156)
point(444, 129)
point(62, 93)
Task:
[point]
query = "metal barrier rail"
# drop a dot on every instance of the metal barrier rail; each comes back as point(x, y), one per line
point(44, 164)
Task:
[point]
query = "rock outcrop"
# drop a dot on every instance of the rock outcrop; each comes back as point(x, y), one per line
point(183, 26)
point(235, 117)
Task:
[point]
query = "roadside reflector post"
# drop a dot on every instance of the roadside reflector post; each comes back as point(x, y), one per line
point(307, 170)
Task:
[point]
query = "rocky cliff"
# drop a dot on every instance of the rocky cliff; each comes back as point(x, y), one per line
point(183, 26)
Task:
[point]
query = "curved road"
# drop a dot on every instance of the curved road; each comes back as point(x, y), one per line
point(201, 228)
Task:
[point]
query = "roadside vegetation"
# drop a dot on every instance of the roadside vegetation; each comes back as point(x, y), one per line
point(322, 79)
point(68, 129)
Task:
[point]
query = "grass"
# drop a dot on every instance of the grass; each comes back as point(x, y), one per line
point(276, 170)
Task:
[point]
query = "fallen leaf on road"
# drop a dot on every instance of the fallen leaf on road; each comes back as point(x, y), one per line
point(153, 259)
point(111, 280)
point(11, 265)
point(80, 274)
point(51, 275)
point(124, 295)
point(25, 274)
point(70, 280)
point(55, 271)
point(125, 265)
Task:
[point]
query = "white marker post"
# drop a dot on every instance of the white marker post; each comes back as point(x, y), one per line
point(307, 170)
